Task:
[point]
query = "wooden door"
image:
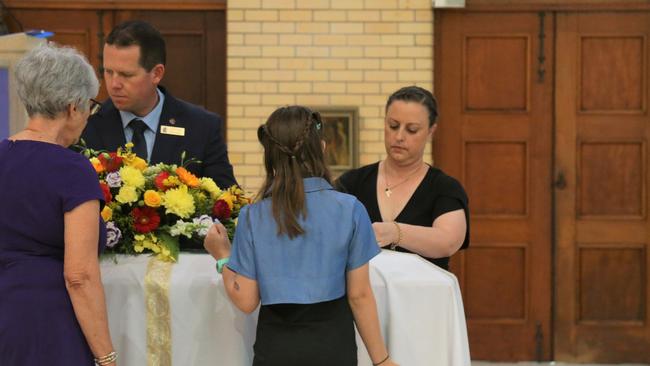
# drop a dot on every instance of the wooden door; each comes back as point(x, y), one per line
point(494, 79)
point(196, 54)
point(601, 149)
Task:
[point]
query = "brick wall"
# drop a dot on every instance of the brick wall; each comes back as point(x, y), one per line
point(321, 53)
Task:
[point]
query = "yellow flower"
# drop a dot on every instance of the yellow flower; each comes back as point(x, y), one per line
point(228, 198)
point(187, 177)
point(172, 181)
point(97, 165)
point(132, 177)
point(152, 198)
point(127, 194)
point(208, 185)
point(136, 162)
point(179, 202)
point(107, 213)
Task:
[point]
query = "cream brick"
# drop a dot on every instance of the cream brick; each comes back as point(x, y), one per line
point(242, 146)
point(380, 76)
point(235, 158)
point(260, 111)
point(235, 15)
point(304, 75)
point(261, 39)
point(364, 15)
point(278, 100)
point(253, 184)
point(330, 16)
point(235, 87)
point(329, 64)
point(391, 87)
point(308, 51)
point(295, 15)
point(244, 27)
point(346, 28)
point(415, 76)
point(312, 99)
point(397, 40)
point(421, 28)
point(294, 87)
point(246, 123)
point(397, 64)
point(397, 15)
point(328, 87)
point(380, 4)
point(415, 4)
point(295, 63)
point(377, 100)
point(353, 100)
point(279, 27)
point(367, 159)
point(278, 75)
point(254, 158)
point(363, 64)
point(235, 39)
point(346, 4)
point(235, 63)
point(261, 63)
point(373, 123)
point(330, 40)
point(373, 147)
point(244, 99)
point(424, 15)
point(244, 4)
point(385, 51)
point(314, 4)
point(260, 15)
point(371, 111)
point(363, 88)
point(424, 39)
point(380, 27)
point(364, 39)
point(233, 111)
point(278, 4)
point(244, 51)
point(415, 52)
point(346, 51)
point(295, 39)
point(244, 75)
point(244, 170)
point(423, 64)
point(346, 75)
point(312, 27)
point(371, 136)
point(260, 87)
point(250, 135)
point(278, 51)
point(235, 134)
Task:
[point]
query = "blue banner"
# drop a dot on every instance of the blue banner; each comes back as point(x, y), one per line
point(4, 103)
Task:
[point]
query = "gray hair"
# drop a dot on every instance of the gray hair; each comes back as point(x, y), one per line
point(51, 77)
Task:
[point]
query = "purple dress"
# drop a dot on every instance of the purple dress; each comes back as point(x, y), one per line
point(39, 182)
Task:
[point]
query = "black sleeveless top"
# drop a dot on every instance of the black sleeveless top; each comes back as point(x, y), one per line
point(437, 194)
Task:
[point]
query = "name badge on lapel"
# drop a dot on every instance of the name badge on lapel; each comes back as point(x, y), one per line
point(172, 130)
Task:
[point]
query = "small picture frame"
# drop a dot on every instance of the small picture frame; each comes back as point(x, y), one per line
point(341, 134)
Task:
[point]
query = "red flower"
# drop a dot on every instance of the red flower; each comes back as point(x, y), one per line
point(221, 210)
point(160, 179)
point(145, 219)
point(108, 197)
point(110, 161)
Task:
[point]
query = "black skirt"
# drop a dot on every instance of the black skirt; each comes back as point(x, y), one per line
point(306, 335)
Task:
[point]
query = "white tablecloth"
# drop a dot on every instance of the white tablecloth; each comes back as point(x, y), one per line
point(420, 310)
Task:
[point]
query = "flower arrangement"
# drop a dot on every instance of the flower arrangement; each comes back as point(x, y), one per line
point(148, 208)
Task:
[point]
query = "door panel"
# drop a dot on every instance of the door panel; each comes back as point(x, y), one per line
point(602, 222)
point(494, 134)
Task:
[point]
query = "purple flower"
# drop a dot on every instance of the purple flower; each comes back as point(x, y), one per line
point(113, 179)
point(113, 234)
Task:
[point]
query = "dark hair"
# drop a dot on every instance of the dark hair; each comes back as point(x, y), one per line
point(293, 150)
point(139, 33)
point(419, 95)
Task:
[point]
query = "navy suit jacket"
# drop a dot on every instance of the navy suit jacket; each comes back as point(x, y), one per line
point(203, 138)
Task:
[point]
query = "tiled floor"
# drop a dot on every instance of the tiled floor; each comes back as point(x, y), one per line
point(484, 363)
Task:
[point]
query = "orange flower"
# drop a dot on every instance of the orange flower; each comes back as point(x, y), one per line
point(99, 168)
point(188, 178)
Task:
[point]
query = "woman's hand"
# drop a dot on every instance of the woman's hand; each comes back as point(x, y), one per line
point(217, 242)
point(386, 233)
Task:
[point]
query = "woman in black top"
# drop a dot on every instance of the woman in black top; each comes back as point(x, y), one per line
point(414, 207)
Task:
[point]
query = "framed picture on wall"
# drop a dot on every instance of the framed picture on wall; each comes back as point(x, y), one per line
point(340, 130)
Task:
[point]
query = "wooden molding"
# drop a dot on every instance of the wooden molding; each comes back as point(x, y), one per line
point(552, 5)
point(118, 4)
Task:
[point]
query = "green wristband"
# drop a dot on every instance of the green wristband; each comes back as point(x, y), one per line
point(222, 262)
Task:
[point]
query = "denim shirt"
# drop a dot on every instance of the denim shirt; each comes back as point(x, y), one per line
point(311, 267)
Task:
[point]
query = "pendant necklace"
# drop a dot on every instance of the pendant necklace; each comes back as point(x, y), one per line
point(389, 189)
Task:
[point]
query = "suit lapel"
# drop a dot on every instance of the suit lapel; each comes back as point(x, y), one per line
point(168, 148)
point(110, 128)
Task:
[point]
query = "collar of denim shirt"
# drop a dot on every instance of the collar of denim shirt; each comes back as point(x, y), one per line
point(313, 184)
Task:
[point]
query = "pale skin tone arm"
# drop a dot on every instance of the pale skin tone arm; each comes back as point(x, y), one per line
point(364, 310)
point(242, 291)
point(442, 239)
point(83, 278)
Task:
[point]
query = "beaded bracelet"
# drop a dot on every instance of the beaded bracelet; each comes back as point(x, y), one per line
point(399, 237)
point(105, 360)
point(382, 361)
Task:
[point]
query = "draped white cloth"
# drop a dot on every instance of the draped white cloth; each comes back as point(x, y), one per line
point(420, 310)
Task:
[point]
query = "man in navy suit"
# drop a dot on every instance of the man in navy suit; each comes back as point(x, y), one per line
point(160, 126)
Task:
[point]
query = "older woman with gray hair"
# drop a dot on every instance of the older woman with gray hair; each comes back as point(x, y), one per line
point(52, 307)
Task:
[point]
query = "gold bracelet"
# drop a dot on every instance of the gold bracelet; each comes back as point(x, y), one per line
point(105, 360)
point(399, 237)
